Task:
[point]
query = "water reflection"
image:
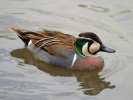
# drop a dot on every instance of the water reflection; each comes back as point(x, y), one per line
point(81, 5)
point(123, 12)
point(95, 8)
point(7, 37)
point(89, 81)
point(98, 9)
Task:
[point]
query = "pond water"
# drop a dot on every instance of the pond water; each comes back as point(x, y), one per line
point(22, 77)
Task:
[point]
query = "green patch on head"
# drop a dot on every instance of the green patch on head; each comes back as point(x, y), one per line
point(79, 45)
point(86, 46)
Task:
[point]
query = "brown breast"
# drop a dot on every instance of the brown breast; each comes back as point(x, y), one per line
point(88, 63)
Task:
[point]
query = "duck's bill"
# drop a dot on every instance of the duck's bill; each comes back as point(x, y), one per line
point(106, 49)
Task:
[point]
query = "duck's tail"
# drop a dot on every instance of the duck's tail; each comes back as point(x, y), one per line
point(21, 34)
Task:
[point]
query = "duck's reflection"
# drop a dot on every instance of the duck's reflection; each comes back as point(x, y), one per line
point(90, 81)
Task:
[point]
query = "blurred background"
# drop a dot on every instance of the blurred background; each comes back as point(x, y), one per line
point(22, 77)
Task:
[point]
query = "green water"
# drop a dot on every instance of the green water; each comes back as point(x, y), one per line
point(22, 77)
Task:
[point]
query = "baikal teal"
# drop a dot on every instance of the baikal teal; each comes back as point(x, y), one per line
point(64, 50)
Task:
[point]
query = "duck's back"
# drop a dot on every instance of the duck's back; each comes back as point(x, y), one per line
point(49, 46)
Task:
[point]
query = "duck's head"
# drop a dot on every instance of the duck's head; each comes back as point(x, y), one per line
point(88, 44)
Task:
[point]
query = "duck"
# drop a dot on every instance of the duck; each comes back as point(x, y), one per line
point(64, 50)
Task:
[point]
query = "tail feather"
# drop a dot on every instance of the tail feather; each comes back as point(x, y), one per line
point(21, 34)
point(17, 31)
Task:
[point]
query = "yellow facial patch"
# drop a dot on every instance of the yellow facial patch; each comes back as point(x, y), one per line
point(85, 50)
point(94, 47)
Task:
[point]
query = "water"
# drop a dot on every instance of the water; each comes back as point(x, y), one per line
point(22, 77)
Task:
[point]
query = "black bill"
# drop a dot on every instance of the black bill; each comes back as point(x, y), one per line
point(106, 49)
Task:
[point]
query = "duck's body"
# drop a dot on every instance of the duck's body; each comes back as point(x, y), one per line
point(61, 49)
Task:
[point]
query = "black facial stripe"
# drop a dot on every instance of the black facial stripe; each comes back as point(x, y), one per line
point(89, 44)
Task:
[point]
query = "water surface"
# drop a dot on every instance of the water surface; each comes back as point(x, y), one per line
point(22, 77)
